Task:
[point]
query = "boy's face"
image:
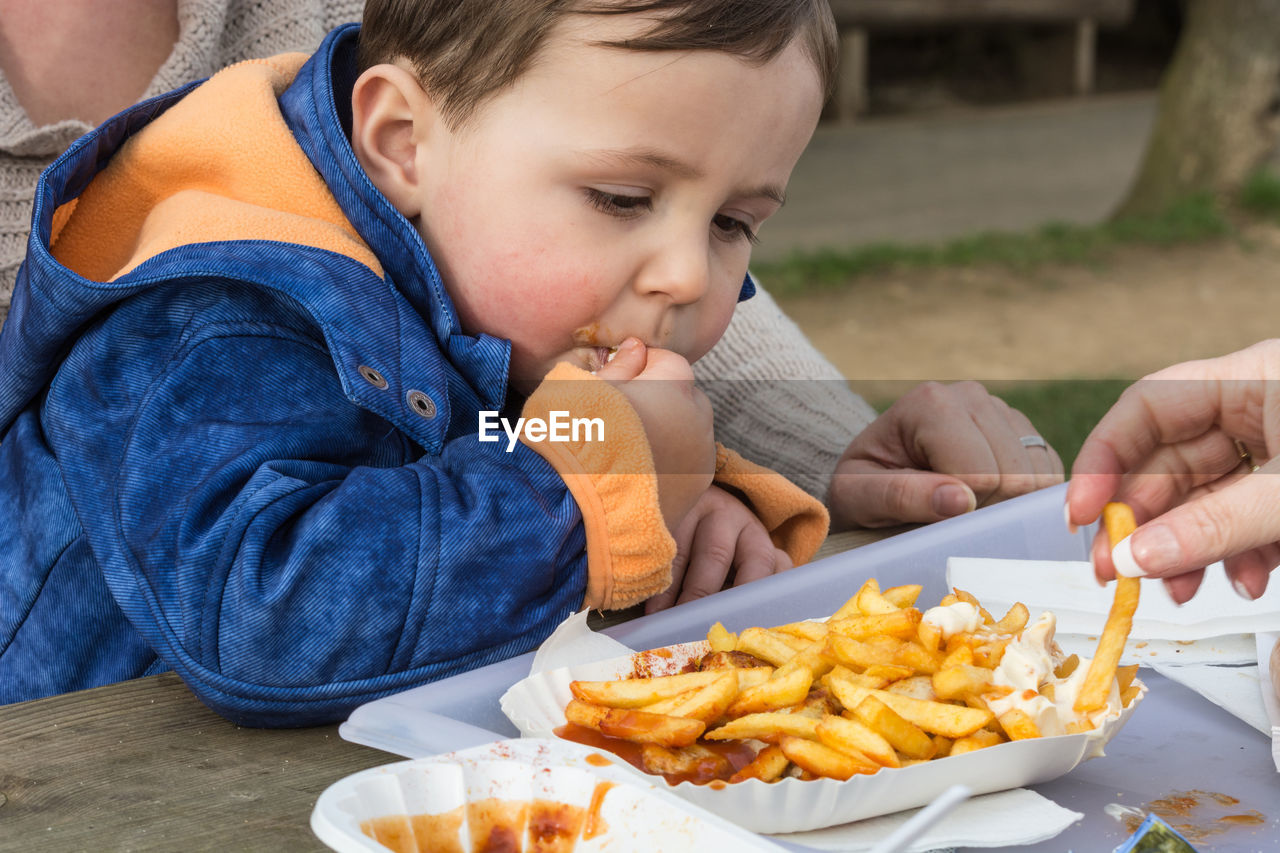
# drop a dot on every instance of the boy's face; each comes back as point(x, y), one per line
point(611, 193)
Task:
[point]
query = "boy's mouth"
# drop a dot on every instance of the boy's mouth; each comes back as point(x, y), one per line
point(600, 356)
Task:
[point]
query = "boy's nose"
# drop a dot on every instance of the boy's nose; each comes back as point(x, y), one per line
point(679, 269)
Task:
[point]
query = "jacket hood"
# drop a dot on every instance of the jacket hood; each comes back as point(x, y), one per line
point(257, 153)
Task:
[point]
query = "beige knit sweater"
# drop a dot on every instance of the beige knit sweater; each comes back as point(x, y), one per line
point(777, 401)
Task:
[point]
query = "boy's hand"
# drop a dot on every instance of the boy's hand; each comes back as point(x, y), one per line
point(939, 451)
point(677, 420)
point(719, 538)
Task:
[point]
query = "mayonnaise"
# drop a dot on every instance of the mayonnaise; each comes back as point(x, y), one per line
point(951, 619)
point(1027, 665)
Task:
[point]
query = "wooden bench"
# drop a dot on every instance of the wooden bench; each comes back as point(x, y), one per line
point(855, 18)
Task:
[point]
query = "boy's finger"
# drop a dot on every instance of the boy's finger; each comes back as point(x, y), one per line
point(709, 561)
point(627, 363)
point(756, 557)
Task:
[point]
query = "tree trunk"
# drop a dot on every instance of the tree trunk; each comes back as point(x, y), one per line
point(1216, 119)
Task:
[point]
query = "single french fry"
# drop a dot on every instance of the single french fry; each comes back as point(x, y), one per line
point(850, 607)
point(904, 595)
point(810, 658)
point(968, 598)
point(1129, 694)
point(930, 636)
point(705, 703)
point(856, 739)
point(822, 760)
point(808, 630)
point(1014, 620)
point(1119, 521)
point(766, 726)
point(889, 672)
point(639, 692)
point(955, 682)
point(766, 645)
point(990, 654)
point(960, 656)
point(916, 686)
point(980, 739)
point(903, 624)
point(861, 679)
point(871, 602)
point(1018, 725)
point(774, 694)
point(695, 761)
point(1068, 666)
point(721, 639)
point(940, 718)
point(635, 726)
point(767, 766)
point(881, 651)
point(906, 737)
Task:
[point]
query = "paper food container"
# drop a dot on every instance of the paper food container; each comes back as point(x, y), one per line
point(536, 706)
point(548, 795)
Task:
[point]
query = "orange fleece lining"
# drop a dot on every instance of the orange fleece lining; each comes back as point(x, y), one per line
point(194, 176)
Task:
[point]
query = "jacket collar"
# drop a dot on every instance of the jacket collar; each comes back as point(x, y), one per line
point(317, 108)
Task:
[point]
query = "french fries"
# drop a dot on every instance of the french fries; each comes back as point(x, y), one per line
point(1119, 521)
point(876, 686)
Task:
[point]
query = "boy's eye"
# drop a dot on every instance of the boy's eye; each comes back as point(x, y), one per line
point(618, 204)
point(734, 229)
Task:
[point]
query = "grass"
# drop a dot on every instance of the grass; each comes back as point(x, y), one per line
point(1197, 219)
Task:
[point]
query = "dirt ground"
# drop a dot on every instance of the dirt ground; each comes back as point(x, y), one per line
point(1139, 310)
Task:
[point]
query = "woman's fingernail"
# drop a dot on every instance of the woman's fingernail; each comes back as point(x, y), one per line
point(1242, 590)
point(953, 499)
point(1157, 549)
point(1066, 516)
point(1122, 559)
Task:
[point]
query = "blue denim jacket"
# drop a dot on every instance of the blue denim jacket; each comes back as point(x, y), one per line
point(256, 462)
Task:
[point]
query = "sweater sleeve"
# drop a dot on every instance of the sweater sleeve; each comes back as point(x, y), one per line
point(777, 400)
point(797, 522)
point(612, 477)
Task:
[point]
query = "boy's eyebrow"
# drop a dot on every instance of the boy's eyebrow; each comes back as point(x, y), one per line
point(679, 168)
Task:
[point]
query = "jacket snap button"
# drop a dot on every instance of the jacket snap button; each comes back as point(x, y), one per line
point(373, 377)
point(422, 404)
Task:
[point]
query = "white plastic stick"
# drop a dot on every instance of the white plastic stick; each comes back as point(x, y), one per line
point(925, 818)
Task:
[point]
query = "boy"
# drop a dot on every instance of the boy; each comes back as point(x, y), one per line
point(263, 324)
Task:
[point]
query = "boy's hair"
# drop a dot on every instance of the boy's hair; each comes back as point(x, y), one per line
point(467, 50)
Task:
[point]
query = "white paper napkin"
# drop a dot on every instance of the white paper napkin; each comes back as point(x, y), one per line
point(1068, 589)
point(572, 643)
point(1270, 700)
point(1002, 819)
point(1235, 689)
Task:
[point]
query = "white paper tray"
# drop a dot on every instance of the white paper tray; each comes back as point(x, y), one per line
point(536, 705)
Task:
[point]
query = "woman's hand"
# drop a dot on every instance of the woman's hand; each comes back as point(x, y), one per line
point(1180, 446)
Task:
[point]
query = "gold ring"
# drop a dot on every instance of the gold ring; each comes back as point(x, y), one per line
point(1245, 456)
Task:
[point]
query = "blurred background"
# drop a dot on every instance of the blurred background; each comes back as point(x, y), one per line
point(1054, 197)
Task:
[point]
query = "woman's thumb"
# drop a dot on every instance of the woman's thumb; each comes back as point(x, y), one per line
point(1211, 527)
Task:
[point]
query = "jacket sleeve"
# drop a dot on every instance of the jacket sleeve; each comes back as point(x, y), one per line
point(797, 522)
point(292, 555)
point(612, 477)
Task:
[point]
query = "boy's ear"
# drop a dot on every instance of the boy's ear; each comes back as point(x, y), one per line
point(391, 115)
